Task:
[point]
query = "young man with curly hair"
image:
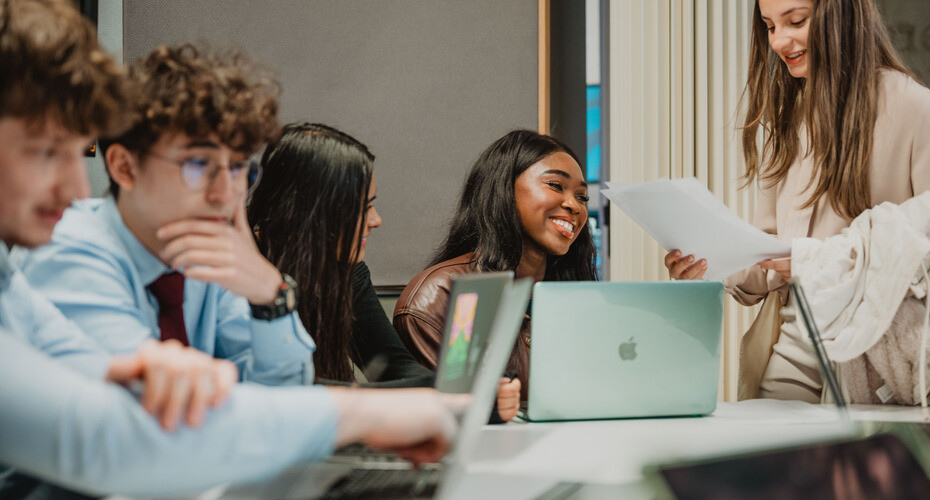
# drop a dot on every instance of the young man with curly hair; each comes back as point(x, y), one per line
point(57, 89)
point(60, 421)
point(174, 225)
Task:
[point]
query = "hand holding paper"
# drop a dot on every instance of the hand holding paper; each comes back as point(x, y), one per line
point(682, 214)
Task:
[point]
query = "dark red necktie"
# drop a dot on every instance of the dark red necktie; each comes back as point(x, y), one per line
point(168, 290)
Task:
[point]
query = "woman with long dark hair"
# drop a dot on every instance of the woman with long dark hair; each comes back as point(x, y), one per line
point(845, 127)
point(312, 213)
point(315, 189)
point(522, 209)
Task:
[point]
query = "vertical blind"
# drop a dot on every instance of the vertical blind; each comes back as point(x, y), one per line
point(677, 69)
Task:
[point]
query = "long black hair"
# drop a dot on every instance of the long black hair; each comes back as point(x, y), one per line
point(486, 221)
point(305, 213)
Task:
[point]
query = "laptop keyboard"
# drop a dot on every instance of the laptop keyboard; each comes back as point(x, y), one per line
point(357, 452)
point(385, 483)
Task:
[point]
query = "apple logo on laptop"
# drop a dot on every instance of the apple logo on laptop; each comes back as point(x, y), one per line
point(628, 350)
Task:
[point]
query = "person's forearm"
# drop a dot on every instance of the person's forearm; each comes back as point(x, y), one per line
point(361, 413)
point(388, 418)
point(52, 333)
point(354, 421)
point(95, 437)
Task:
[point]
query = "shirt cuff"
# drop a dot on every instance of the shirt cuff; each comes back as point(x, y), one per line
point(307, 418)
point(282, 351)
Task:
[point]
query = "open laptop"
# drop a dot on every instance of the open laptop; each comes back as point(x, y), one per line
point(473, 303)
point(484, 317)
point(620, 350)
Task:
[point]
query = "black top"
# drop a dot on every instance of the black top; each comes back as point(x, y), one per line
point(374, 334)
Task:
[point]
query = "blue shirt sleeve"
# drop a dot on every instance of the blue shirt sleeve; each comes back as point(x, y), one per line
point(96, 273)
point(93, 436)
point(280, 351)
point(95, 290)
point(39, 324)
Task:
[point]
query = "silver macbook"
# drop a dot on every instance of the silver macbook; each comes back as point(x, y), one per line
point(619, 350)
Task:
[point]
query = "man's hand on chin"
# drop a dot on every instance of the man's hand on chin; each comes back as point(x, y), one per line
point(223, 253)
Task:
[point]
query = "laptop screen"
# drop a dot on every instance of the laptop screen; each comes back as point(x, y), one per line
point(880, 466)
point(473, 304)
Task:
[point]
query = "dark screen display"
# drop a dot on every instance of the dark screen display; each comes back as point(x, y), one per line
point(876, 467)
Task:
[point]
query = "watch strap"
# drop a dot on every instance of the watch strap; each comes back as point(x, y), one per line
point(284, 303)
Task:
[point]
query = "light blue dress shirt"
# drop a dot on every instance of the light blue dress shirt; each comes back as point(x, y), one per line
point(59, 421)
point(96, 272)
point(32, 319)
point(85, 434)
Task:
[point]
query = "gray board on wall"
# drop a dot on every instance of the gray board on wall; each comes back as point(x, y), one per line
point(426, 84)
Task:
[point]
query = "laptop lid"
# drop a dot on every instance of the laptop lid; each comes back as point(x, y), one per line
point(474, 300)
point(503, 303)
point(617, 350)
point(799, 300)
point(503, 333)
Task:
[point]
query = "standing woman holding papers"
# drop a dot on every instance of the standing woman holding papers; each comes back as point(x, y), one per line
point(845, 127)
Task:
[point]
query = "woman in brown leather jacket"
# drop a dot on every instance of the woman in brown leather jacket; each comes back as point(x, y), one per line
point(523, 210)
point(312, 213)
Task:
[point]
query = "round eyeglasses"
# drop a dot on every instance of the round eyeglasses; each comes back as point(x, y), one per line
point(198, 173)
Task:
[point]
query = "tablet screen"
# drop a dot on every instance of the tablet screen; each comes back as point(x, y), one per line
point(880, 466)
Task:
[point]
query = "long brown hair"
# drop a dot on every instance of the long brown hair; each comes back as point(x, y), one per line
point(305, 212)
point(847, 45)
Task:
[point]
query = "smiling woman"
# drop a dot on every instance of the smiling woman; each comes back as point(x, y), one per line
point(550, 196)
point(523, 210)
point(786, 22)
point(844, 128)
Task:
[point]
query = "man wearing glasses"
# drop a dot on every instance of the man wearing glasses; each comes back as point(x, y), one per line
point(169, 253)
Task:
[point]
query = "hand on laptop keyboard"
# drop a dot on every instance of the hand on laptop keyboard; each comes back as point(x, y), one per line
point(417, 424)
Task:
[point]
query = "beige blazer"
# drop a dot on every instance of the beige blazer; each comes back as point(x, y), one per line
point(900, 169)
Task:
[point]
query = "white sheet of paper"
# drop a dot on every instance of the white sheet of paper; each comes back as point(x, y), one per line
point(682, 214)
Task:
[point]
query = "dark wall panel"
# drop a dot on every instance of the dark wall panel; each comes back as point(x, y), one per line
point(426, 84)
point(568, 113)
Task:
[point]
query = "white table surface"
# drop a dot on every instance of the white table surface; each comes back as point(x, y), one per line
point(521, 460)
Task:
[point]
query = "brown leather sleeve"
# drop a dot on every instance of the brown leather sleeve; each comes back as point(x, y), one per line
point(420, 312)
point(420, 337)
point(419, 315)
